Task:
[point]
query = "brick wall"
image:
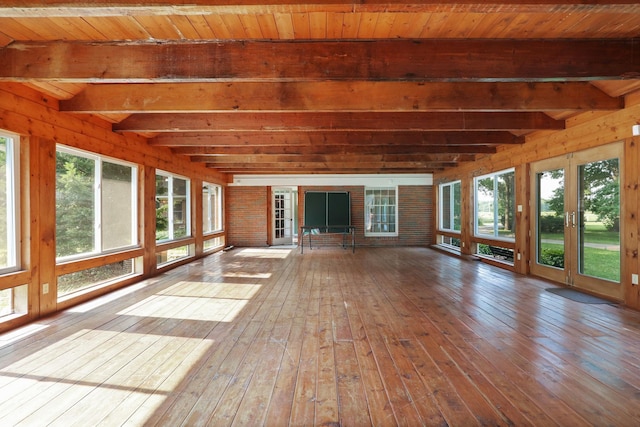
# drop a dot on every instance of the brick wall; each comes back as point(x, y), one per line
point(247, 216)
point(415, 221)
point(247, 209)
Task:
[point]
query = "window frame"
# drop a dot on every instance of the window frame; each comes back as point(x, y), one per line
point(210, 226)
point(12, 189)
point(495, 235)
point(98, 204)
point(451, 185)
point(186, 213)
point(394, 233)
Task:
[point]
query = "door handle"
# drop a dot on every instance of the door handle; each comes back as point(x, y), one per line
point(566, 219)
point(573, 219)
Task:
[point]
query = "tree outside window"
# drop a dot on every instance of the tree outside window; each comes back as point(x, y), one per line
point(96, 207)
point(172, 207)
point(495, 205)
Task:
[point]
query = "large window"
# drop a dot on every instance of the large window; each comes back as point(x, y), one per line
point(8, 203)
point(173, 207)
point(381, 211)
point(495, 205)
point(96, 204)
point(211, 208)
point(450, 203)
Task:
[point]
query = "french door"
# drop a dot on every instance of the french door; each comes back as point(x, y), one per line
point(576, 220)
point(283, 205)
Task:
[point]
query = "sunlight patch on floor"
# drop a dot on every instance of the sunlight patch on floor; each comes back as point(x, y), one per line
point(200, 309)
point(263, 253)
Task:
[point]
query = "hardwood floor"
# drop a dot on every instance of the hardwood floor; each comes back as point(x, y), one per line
point(393, 336)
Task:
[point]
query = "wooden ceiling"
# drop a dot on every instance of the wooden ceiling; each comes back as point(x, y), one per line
point(329, 86)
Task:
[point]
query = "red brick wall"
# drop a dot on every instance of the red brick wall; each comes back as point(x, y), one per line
point(247, 209)
point(415, 221)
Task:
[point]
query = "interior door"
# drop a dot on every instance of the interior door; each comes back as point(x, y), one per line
point(576, 227)
point(283, 216)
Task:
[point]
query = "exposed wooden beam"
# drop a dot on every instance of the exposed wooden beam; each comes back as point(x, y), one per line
point(379, 60)
point(256, 159)
point(337, 121)
point(345, 166)
point(64, 8)
point(339, 96)
point(335, 138)
point(336, 149)
point(307, 170)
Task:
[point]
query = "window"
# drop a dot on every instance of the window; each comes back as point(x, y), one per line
point(96, 204)
point(380, 209)
point(211, 208)
point(495, 205)
point(9, 224)
point(450, 200)
point(173, 207)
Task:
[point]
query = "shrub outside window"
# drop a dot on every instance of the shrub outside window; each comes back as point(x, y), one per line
point(96, 204)
point(173, 207)
point(381, 217)
point(9, 218)
point(495, 205)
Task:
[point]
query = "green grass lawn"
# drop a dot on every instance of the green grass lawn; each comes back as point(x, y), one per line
point(594, 232)
point(601, 263)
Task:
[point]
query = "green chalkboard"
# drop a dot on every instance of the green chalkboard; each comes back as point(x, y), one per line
point(327, 208)
point(315, 208)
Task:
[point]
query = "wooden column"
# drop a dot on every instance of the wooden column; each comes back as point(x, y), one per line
point(43, 175)
point(148, 222)
point(196, 215)
point(521, 252)
point(629, 221)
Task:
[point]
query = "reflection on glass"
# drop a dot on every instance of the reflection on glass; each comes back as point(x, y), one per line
point(598, 221)
point(551, 218)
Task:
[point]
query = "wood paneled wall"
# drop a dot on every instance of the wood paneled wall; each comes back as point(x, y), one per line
point(582, 132)
point(41, 126)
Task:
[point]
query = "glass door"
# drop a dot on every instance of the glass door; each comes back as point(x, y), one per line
point(577, 220)
point(283, 216)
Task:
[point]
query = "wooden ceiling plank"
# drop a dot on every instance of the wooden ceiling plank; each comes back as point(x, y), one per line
point(334, 138)
point(338, 121)
point(382, 60)
point(339, 96)
point(268, 26)
point(159, 27)
point(45, 8)
point(189, 27)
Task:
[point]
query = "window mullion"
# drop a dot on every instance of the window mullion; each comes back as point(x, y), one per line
point(97, 224)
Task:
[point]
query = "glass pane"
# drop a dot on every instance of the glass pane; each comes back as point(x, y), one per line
point(162, 207)
point(550, 226)
point(180, 212)
point(485, 209)
point(6, 302)
point(74, 282)
point(446, 207)
point(599, 219)
point(75, 204)
point(5, 208)
point(171, 255)
point(207, 213)
point(506, 205)
point(457, 206)
point(117, 206)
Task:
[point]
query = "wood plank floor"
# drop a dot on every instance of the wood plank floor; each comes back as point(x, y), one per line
point(393, 336)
